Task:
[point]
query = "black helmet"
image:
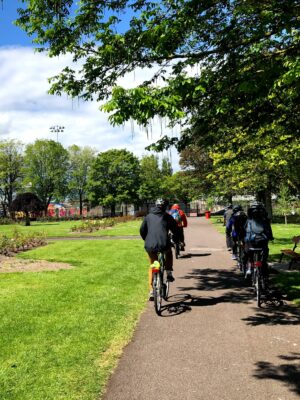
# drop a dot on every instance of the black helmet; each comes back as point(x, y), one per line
point(256, 208)
point(237, 208)
point(256, 204)
point(162, 203)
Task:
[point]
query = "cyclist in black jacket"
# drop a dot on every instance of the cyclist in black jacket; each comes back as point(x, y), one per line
point(155, 230)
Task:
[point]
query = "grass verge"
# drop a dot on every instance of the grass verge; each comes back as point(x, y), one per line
point(61, 229)
point(62, 332)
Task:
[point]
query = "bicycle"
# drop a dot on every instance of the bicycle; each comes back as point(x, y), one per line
point(258, 279)
point(160, 283)
point(240, 256)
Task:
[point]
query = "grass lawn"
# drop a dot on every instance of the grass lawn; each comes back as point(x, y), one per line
point(58, 229)
point(62, 332)
point(289, 282)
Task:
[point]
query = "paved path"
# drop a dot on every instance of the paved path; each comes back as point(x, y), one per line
point(212, 342)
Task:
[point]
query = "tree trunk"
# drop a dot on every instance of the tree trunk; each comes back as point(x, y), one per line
point(27, 218)
point(265, 197)
point(229, 198)
point(113, 210)
point(80, 203)
point(285, 219)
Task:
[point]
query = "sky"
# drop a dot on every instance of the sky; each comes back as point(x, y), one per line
point(27, 111)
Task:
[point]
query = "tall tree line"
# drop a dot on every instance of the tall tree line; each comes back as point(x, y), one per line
point(227, 71)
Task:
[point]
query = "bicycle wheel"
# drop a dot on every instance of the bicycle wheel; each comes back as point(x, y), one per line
point(258, 288)
point(157, 292)
point(240, 258)
point(166, 286)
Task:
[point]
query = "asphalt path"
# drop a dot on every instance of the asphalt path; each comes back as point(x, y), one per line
point(211, 342)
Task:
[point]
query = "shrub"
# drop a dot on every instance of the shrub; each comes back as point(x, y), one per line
point(20, 242)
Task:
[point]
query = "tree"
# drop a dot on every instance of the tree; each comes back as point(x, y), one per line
point(151, 179)
point(227, 71)
point(180, 187)
point(114, 178)
point(11, 162)
point(166, 167)
point(198, 166)
point(27, 203)
point(80, 160)
point(46, 168)
point(284, 202)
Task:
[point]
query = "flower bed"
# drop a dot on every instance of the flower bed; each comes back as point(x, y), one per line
point(20, 242)
point(97, 224)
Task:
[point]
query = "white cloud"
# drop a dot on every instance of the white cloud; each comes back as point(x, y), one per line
point(28, 111)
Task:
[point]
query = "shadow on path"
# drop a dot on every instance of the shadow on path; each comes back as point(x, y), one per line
point(213, 279)
point(190, 255)
point(288, 372)
point(235, 290)
point(286, 315)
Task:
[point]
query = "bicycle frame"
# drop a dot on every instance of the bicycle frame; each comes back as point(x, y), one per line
point(160, 283)
point(258, 280)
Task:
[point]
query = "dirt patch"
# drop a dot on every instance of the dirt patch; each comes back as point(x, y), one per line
point(13, 264)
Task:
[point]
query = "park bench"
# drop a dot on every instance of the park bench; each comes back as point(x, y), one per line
point(292, 253)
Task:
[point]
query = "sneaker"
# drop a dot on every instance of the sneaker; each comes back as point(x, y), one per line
point(234, 257)
point(170, 277)
point(151, 296)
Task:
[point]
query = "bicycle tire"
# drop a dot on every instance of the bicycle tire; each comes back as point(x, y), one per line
point(166, 287)
point(258, 289)
point(157, 292)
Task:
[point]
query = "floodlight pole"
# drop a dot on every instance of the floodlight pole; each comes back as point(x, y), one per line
point(57, 129)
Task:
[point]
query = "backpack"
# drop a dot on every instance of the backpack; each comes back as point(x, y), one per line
point(240, 219)
point(176, 215)
point(255, 231)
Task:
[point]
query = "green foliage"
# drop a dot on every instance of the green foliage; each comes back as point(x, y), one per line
point(227, 71)
point(181, 186)
point(150, 178)
point(11, 162)
point(114, 178)
point(284, 202)
point(46, 169)
point(80, 161)
point(98, 224)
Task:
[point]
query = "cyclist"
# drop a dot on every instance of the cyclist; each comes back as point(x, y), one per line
point(236, 228)
point(181, 220)
point(155, 230)
point(227, 215)
point(258, 232)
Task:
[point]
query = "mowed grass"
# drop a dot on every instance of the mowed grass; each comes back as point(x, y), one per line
point(289, 282)
point(62, 332)
point(63, 228)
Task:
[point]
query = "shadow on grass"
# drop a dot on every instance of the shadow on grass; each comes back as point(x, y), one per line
point(290, 284)
point(288, 372)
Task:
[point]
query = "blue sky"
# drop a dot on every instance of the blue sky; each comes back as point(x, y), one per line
point(28, 111)
point(9, 33)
